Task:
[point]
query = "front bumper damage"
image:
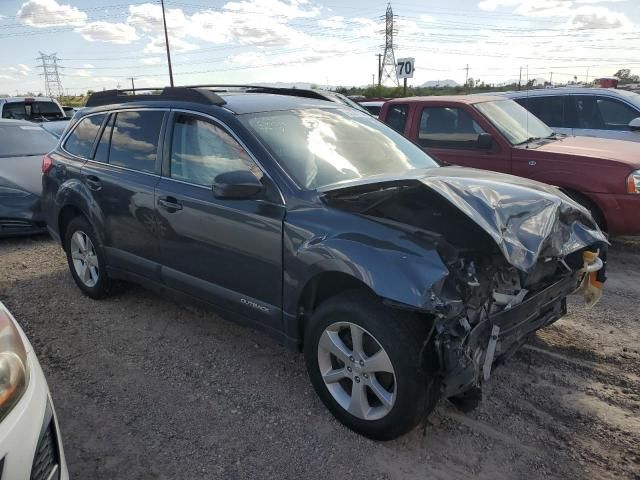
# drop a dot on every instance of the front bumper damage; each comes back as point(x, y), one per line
point(467, 361)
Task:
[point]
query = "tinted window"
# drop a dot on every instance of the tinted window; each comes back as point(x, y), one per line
point(588, 112)
point(32, 110)
point(201, 150)
point(615, 114)
point(134, 141)
point(318, 147)
point(102, 150)
point(397, 117)
point(448, 128)
point(24, 140)
point(80, 142)
point(548, 109)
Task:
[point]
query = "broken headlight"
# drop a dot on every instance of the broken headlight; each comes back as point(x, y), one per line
point(633, 182)
point(14, 375)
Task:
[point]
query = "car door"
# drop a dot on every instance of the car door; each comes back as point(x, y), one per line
point(227, 252)
point(602, 116)
point(121, 176)
point(450, 133)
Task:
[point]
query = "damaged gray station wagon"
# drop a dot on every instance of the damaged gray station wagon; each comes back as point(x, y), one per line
point(403, 282)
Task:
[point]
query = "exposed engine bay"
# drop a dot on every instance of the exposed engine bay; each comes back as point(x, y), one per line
point(513, 255)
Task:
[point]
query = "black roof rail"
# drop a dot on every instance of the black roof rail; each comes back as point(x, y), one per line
point(294, 92)
point(183, 94)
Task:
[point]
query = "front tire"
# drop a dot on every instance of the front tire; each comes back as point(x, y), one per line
point(86, 259)
point(364, 361)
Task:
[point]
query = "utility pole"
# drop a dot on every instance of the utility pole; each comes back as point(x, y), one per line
point(520, 80)
point(379, 55)
point(166, 41)
point(133, 85)
point(551, 79)
point(52, 83)
point(466, 78)
point(587, 79)
point(388, 69)
point(373, 80)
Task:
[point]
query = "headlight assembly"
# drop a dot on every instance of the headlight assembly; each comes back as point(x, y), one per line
point(14, 375)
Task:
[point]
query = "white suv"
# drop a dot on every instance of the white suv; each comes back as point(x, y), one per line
point(590, 112)
point(30, 444)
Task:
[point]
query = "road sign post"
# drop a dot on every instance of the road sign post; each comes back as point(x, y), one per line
point(404, 70)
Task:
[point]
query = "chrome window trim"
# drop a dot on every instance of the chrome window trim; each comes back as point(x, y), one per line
point(229, 131)
point(94, 162)
point(63, 140)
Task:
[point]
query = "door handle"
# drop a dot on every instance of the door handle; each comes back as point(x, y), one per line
point(94, 182)
point(170, 204)
point(532, 163)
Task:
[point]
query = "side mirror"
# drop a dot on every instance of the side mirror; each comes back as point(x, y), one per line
point(485, 141)
point(634, 125)
point(238, 184)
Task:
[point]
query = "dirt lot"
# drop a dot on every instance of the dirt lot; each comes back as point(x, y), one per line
point(147, 388)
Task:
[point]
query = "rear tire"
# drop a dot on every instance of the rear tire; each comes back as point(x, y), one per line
point(86, 259)
point(353, 381)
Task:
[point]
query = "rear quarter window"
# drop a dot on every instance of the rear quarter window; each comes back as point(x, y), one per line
point(80, 142)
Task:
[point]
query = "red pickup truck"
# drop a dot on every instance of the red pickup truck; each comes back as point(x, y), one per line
point(495, 133)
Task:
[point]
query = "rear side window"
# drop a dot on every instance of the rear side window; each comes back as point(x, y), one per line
point(80, 142)
point(397, 117)
point(134, 140)
point(201, 150)
point(102, 150)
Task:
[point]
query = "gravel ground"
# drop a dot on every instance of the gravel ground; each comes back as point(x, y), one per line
point(148, 388)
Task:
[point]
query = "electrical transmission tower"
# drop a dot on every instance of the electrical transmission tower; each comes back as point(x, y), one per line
point(52, 83)
point(388, 69)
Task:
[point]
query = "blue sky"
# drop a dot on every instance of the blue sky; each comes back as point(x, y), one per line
point(102, 43)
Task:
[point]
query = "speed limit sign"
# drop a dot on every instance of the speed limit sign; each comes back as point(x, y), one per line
point(405, 67)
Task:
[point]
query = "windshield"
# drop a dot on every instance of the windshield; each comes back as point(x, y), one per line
point(318, 147)
point(25, 140)
point(515, 122)
point(32, 111)
point(347, 101)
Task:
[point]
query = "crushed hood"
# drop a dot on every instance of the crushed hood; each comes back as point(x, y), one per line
point(526, 219)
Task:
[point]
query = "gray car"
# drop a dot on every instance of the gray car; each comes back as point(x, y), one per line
point(22, 145)
point(590, 112)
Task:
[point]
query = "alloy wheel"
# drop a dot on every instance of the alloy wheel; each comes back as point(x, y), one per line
point(85, 259)
point(357, 371)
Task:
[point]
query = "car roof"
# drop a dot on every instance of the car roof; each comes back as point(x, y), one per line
point(563, 91)
point(468, 99)
point(22, 99)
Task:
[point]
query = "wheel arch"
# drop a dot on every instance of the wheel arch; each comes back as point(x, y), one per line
point(589, 203)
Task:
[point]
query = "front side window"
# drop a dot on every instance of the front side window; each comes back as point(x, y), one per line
point(446, 127)
point(516, 123)
point(134, 140)
point(397, 117)
point(319, 147)
point(200, 150)
point(80, 142)
point(615, 114)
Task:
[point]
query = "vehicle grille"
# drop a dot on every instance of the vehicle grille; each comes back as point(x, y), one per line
point(46, 461)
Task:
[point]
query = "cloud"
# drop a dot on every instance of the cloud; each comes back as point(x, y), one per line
point(598, 18)
point(157, 45)
point(49, 13)
point(119, 33)
point(21, 69)
point(151, 61)
point(274, 8)
point(336, 22)
point(147, 17)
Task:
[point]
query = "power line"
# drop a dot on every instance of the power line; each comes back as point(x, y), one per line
point(52, 83)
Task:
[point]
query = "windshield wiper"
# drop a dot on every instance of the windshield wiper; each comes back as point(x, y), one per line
point(528, 140)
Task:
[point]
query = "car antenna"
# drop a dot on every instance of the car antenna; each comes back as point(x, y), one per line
point(528, 107)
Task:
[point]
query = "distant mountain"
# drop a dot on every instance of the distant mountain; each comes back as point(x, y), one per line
point(440, 84)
